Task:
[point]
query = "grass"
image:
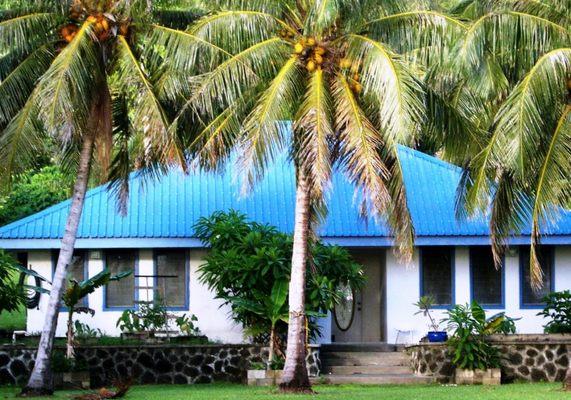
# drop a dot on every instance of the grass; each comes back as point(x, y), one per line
point(520, 391)
point(13, 321)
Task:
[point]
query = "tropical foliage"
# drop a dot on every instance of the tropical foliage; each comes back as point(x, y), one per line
point(82, 75)
point(468, 344)
point(32, 192)
point(515, 82)
point(248, 266)
point(349, 75)
point(558, 310)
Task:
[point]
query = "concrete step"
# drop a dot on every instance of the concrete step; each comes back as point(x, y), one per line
point(381, 379)
point(357, 347)
point(357, 358)
point(366, 369)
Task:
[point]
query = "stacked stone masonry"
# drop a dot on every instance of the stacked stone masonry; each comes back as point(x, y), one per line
point(532, 358)
point(153, 364)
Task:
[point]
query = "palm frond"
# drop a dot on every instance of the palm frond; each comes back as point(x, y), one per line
point(321, 17)
point(18, 85)
point(70, 79)
point(360, 145)
point(552, 191)
point(516, 39)
point(23, 33)
point(263, 132)
point(387, 79)
point(21, 141)
point(425, 35)
point(235, 31)
point(314, 132)
point(228, 81)
point(148, 115)
point(524, 117)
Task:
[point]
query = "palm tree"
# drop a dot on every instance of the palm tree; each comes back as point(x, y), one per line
point(348, 74)
point(80, 74)
point(516, 60)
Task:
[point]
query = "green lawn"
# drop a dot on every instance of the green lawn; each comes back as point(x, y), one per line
point(433, 392)
point(13, 321)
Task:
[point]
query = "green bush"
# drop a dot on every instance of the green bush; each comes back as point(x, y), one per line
point(558, 308)
point(247, 261)
point(470, 349)
point(33, 192)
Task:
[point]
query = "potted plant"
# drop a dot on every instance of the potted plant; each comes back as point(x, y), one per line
point(475, 359)
point(435, 335)
point(69, 373)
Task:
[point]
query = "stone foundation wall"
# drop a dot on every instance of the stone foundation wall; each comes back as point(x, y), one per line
point(532, 358)
point(152, 364)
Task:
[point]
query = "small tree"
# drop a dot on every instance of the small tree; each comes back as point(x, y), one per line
point(78, 290)
point(249, 264)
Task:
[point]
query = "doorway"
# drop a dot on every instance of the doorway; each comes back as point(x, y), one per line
point(363, 317)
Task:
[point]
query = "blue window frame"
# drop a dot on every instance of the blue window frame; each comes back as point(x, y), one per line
point(487, 282)
point(78, 270)
point(121, 295)
point(171, 268)
point(528, 297)
point(437, 274)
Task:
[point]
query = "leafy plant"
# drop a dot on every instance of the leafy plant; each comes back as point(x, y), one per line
point(277, 363)
point(186, 324)
point(248, 267)
point(424, 304)
point(558, 308)
point(84, 331)
point(468, 344)
point(148, 318)
point(61, 363)
point(76, 291)
point(259, 366)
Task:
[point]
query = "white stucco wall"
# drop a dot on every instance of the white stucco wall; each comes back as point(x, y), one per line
point(213, 321)
point(402, 288)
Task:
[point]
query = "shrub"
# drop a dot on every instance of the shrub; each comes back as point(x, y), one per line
point(247, 261)
point(558, 308)
point(468, 344)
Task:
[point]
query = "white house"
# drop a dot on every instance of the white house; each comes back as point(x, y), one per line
point(452, 260)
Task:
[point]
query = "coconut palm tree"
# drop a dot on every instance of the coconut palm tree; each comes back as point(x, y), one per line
point(80, 74)
point(516, 60)
point(347, 74)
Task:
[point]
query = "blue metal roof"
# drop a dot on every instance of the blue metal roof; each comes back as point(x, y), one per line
point(161, 213)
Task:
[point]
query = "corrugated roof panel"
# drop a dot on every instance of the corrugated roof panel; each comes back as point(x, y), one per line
point(169, 206)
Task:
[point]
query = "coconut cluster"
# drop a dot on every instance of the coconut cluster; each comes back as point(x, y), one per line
point(310, 52)
point(104, 24)
point(352, 69)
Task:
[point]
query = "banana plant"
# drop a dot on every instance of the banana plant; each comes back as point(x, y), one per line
point(273, 308)
point(76, 291)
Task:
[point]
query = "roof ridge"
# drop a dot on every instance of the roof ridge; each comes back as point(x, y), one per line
point(431, 159)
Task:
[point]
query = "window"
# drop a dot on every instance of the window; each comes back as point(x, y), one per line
point(528, 296)
point(172, 277)
point(437, 274)
point(76, 270)
point(487, 281)
point(120, 293)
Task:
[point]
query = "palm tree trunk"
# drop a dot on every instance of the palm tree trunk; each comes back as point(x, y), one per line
point(272, 344)
point(40, 382)
point(295, 376)
point(70, 353)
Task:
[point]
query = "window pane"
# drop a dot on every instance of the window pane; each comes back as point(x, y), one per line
point(171, 279)
point(437, 274)
point(528, 295)
point(486, 279)
point(121, 293)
